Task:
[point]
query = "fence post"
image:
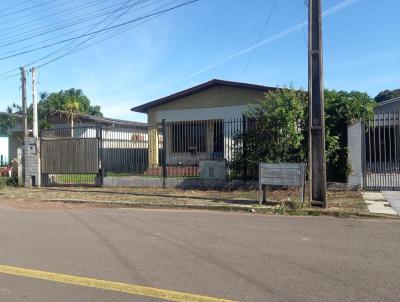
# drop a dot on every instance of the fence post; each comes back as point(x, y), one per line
point(99, 136)
point(244, 141)
point(164, 153)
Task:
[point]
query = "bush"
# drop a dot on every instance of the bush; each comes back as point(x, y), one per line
point(276, 131)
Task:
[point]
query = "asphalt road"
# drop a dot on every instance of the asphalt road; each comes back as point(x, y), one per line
point(245, 257)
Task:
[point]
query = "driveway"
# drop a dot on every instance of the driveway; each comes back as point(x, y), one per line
point(109, 254)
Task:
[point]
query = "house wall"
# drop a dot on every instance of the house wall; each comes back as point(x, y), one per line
point(217, 103)
point(215, 97)
point(15, 141)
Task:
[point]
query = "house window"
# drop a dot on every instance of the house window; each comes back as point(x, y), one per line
point(189, 137)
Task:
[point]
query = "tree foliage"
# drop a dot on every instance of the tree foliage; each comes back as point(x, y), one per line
point(387, 95)
point(277, 130)
point(57, 101)
point(72, 108)
point(7, 119)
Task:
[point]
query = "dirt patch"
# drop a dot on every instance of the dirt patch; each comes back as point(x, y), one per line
point(59, 198)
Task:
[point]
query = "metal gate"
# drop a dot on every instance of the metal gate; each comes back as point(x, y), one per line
point(381, 152)
point(71, 156)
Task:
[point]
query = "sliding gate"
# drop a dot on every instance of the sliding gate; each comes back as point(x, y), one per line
point(71, 156)
point(381, 152)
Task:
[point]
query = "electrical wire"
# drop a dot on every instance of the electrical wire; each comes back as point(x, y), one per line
point(259, 38)
point(119, 27)
point(116, 33)
point(29, 8)
point(60, 13)
point(71, 42)
point(95, 32)
point(54, 29)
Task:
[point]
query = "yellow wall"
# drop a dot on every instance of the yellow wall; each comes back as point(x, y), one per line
point(219, 96)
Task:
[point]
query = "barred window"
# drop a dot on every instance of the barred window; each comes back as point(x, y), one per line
point(189, 137)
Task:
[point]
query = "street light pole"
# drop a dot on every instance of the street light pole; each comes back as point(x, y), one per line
point(316, 129)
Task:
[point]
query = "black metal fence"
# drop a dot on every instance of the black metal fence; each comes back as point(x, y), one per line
point(381, 156)
point(199, 149)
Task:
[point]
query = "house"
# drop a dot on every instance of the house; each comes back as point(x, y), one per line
point(133, 133)
point(374, 148)
point(199, 121)
point(388, 106)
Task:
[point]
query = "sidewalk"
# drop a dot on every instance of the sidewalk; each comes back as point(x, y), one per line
point(341, 203)
point(377, 203)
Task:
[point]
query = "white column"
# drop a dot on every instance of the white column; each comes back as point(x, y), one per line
point(354, 139)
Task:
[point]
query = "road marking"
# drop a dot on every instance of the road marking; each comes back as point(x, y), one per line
point(108, 285)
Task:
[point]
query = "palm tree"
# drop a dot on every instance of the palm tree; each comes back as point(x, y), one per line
point(72, 108)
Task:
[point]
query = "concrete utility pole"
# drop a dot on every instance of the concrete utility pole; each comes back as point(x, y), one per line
point(34, 104)
point(24, 104)
point(316, 132)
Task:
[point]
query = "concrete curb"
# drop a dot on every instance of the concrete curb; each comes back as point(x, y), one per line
point(233, 208)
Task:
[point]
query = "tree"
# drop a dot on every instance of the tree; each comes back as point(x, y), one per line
point(387, 95)
point(72, 108)
point(7, 119)
point(274, 133)
point(56, 101)
point(277, 130)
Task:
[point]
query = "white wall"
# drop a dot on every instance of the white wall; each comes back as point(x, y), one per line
point(354, 133)
point(4, 148)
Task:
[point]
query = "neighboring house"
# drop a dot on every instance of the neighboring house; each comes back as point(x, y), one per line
point(388, 106)
point(374, 148)
point(113, 131)
point(198, 119)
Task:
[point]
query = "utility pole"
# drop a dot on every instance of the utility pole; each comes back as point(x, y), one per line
point(316, 131)
point(24, 104)
point(34, 104)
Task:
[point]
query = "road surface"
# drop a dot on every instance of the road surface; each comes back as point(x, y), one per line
point(217, 255)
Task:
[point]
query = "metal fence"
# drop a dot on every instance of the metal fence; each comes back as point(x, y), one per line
point(381, 156)
point(71, 156)
point(168, 149)
point(211, 149)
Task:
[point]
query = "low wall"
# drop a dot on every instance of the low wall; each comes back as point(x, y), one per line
point(198, 183)
point(181, 183)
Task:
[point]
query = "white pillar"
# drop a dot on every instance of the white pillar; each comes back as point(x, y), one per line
point(354, 139)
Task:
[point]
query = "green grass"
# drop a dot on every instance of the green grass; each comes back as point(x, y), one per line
point(75, 178)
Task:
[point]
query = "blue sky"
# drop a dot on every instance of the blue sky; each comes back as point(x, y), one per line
point(213, 39)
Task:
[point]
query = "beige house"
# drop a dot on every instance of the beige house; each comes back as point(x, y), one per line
point(198, 119)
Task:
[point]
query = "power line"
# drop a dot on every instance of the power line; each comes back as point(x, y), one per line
point(259, 38)
point(54, 29)
point(15, 5)
point(97, 42)
point(29, 8)
point(91, 37)
point(77, 48)
point(72, 49)
point(98, 31)
point(71, 32)
point(27, 24)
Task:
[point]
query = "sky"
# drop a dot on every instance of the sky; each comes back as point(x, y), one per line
point(215, 39)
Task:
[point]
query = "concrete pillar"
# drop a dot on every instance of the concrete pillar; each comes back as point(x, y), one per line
point(354, 137)
point(20, 172)
point(32, 162)
point(153, 147)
